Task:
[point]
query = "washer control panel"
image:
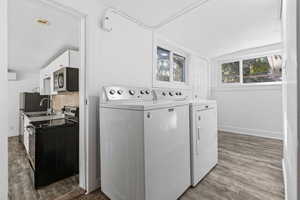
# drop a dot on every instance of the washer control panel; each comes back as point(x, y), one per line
point(168, 94)
point(128, 93)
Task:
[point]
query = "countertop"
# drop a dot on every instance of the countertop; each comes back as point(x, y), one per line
point(52, 123)
point(41, 116)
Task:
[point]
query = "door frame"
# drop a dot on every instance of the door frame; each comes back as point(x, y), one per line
point(83, 128)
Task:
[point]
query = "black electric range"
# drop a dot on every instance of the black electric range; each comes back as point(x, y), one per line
point(54, 148)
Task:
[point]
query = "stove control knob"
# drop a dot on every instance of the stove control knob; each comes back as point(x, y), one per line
point(131, 92)
point(180, 93)
point(120, 92)
point(170, 93)
point(177, 93)
point(147, 91)
point(112, 92)
point(142, 92)
point(163, 93)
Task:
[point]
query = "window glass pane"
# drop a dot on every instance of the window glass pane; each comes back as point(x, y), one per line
point(178, 68)
point(163, 64)
point(263, 69)
point(231, 72)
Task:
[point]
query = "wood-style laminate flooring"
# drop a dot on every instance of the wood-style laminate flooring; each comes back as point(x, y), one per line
point(20, 183)
point(249, 168)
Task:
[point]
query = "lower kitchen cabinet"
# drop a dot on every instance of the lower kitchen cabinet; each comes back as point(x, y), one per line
point(54, 154)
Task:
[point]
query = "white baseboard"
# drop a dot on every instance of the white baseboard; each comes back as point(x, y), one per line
point(284, 179)
point(253, 132)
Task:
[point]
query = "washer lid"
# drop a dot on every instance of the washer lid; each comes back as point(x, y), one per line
point(143, 105)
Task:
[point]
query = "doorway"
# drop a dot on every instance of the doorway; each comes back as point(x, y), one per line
point(43, 18)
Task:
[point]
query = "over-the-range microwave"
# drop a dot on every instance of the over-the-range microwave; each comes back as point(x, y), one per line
point(66, 80)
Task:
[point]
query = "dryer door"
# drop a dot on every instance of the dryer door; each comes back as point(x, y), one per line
point(204, 143)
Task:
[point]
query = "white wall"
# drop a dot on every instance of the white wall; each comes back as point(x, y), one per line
point(3, 101)
point(290, 98)
point(253, 110)
point(200, 77)
point(122, 56)
point(24, 83)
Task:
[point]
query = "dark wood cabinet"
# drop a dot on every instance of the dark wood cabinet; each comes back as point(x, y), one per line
point(56, 154)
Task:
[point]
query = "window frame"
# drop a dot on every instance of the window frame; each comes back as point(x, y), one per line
point(173, 50)
point(240, 60)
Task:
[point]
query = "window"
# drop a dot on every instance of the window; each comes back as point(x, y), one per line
point(262, 69)
point(231, 72)
point(178, 68)
point(163, 64)
point(171, 66)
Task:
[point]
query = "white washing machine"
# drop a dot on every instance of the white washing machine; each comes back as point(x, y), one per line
point(145, 144)
point(204, 138)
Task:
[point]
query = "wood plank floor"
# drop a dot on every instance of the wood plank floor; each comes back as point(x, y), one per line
point(249, 168)
point(19, 181)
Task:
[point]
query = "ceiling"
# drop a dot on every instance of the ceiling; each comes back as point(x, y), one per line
point(224, 26)
point(151, 13)
point(31, 45)
point(211, 27)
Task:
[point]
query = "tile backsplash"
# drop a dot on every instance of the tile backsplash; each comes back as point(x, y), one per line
point(65, 99)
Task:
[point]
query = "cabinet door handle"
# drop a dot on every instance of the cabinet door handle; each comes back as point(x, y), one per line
point(197, 140)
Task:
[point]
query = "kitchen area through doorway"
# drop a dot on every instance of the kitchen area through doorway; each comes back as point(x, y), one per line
point(43, 88)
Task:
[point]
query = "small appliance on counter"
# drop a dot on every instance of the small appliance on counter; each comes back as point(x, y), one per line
point(66, 80)
point(71, 113)
point(54, 148)
point(29, 102)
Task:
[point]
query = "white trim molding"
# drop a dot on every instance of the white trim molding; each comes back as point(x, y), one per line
point(164, 22)
point(284, 171)
point(3, 100)
point(252, 132)
point(84, 175)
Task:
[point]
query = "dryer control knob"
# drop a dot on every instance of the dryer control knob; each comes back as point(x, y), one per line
point(120, 92)
point(131, 92)
point(112, 92)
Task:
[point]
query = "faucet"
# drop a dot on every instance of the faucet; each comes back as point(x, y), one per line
point(49, 100)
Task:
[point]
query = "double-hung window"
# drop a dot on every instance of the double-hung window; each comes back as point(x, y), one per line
point(171, 66)
point(259, 69)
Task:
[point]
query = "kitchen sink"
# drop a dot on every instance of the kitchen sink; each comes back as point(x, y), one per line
point(39, 115)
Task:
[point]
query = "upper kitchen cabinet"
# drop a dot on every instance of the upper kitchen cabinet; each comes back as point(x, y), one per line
point(69, 58)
